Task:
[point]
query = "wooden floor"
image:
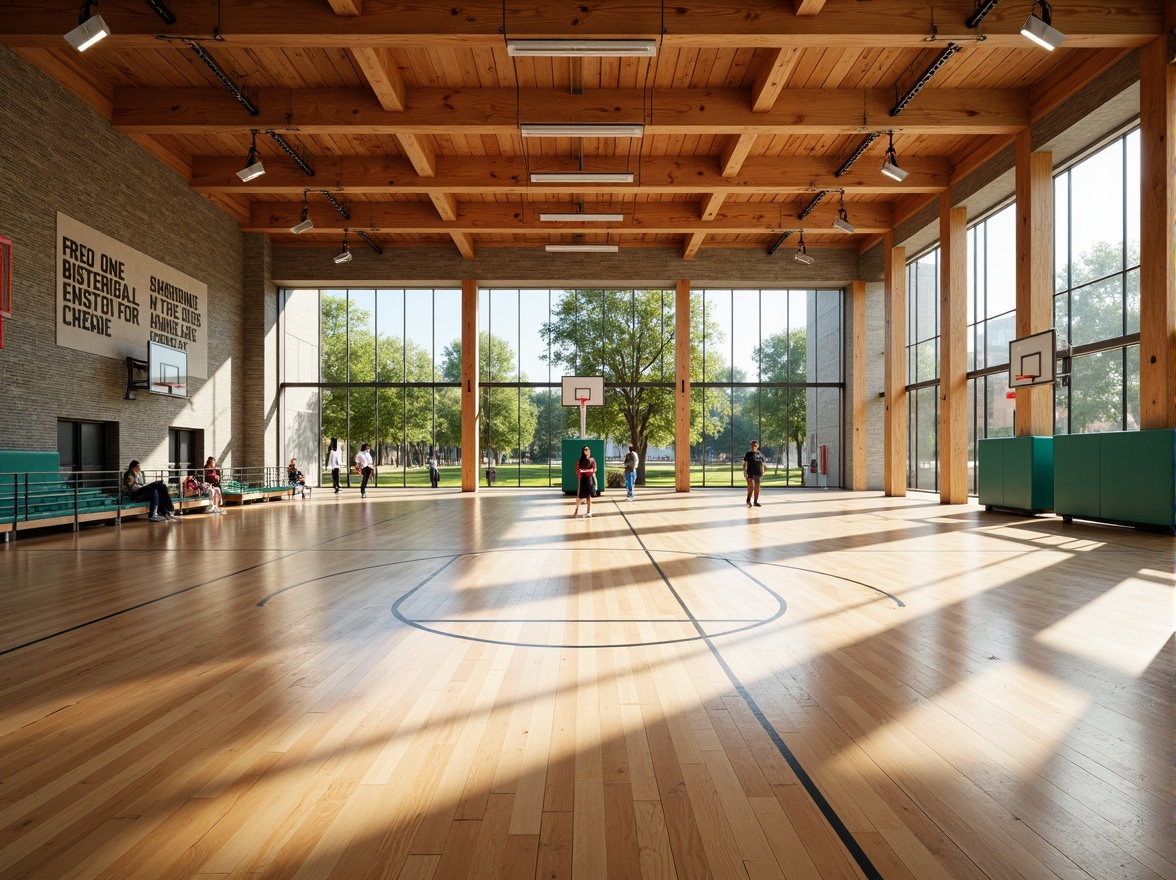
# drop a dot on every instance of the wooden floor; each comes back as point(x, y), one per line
point(429, 684)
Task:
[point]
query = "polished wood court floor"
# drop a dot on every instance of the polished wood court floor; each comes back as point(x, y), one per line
point(436, 685)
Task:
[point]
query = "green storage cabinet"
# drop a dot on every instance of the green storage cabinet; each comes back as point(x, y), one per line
point(1017, 473)
point(1077, 473)
point(570, 448)
point(1119, 476)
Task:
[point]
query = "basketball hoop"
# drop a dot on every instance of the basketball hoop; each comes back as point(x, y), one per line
point(1025, 377)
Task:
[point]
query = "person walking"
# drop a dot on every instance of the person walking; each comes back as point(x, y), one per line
point(586, 471)
point(364, 467)
point(753, 472)
point(631, 470)
point(434, 472)
point(335, 462)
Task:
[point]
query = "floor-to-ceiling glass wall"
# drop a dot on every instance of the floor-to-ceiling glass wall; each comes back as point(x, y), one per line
point(1096, 300)
point(372, 366)
point(530, 339)
point(923, 372)
point(767, 367)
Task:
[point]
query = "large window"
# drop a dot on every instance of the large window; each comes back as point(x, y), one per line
point(767, 366)
point(1096, 311)
point(1096, 300)
point(371, 366)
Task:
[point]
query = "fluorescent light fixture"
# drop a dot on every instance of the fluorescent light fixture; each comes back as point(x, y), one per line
point(1039, 28)
point(303, 225)
point(843, 223)
point(253, 167)
point(344, 256)
point(582, 248)
point(581, 218)
point(581, 177)
point(890, 165)
point(582, 48)
point(618, 130)
point(90, 29)
point(802, 254)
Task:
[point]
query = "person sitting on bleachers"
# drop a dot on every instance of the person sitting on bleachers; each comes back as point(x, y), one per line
point(135, 486)
point(195, 486)
point(211, 473)
point(295, 479)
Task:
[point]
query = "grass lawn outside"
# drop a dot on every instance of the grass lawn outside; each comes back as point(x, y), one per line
point(660, 473)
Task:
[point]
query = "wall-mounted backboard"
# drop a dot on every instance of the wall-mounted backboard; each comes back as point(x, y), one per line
point(1033, 360)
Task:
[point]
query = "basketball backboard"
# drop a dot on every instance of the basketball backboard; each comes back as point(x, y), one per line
point(1032, 360)
point(577, 388)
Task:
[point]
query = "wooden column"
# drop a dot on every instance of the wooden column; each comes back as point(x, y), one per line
point(1035, 284)
point(857, 294)
point(894, 443)
point(953, 352)
point(682, 387)
point(470, 398)
point(1157, 273)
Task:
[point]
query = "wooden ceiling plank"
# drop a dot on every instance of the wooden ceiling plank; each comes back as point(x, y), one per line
point(778, 66)
point(379, 68)
point(74, 74)
point(498, 111)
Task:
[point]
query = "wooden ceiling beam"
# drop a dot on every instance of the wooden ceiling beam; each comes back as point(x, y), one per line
point(473, 112)
point(464, 243)
point(693, 243)
point(777, 68)
point(505, 219)
point(504, 175)
point(382, 75)
point(735, 153)
point(446, 204)
point(708, 208)
point(347, 8)
point(808, 7)
point(712, 24)
point(422, 157)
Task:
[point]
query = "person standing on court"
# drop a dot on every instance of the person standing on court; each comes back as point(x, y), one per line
point(335, 462)
point(586, 472)
point(631, 470)
point(434, 473)
point(753, 472)
point(364, 467)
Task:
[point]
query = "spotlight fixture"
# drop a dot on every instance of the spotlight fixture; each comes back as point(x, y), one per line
point(857, 154)
point(370, 241)
point(344, 256)
point(779, 241)
point(91, 28)
point(225, 79)
point(582, 48)
point(581, 218)
point(581, 177)
point(305, 223)
point(890, 166)
point(620, 130)
point(253, 167)
point(1039, 28)
point(925, 77)
point(162, 11)
point(285, 146)
point(842, 222)
point(802, 254)
point(983, 7)
point(582, 248)
point(808, 209)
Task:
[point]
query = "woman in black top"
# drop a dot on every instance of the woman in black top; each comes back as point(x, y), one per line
point(586, 471)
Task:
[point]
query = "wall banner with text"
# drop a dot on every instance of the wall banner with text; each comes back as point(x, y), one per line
point(112, 300)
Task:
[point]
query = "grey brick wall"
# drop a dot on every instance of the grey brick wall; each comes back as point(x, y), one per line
point(57, 154)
